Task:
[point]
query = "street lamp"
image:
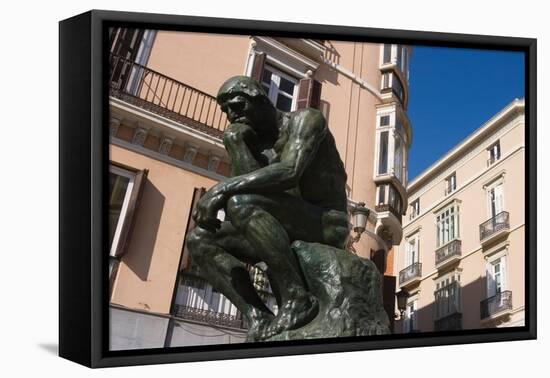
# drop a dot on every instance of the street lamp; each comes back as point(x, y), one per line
point(360, 215)
point(402, 297)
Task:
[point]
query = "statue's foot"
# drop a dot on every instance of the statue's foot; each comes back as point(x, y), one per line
point(293, 314)
point(257, 321)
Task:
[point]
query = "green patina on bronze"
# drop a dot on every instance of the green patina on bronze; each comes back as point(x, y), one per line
point(286, 207)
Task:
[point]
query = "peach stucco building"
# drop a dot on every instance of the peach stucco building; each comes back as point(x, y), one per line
point(462, 256)
point(166, 148)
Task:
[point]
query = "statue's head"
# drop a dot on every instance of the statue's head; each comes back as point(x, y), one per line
point(243, 100)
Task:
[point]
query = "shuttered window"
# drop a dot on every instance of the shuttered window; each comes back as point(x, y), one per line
point(125, 191)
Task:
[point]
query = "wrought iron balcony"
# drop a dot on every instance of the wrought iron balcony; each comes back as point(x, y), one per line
point(411, 274)
point(448, 253)
point(497, 305)
point(451, 322)
point(162, 95)
point(382, 207)
point(209, 317)
point(496, 226)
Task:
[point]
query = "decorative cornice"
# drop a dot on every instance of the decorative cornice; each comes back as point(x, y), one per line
point(114, 124)
point(213, 162)
point(503, 119)
point(140, 134)
point(166, 159)
point(166, 145)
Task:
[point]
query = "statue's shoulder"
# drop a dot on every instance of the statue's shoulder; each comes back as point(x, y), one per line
point(309, 118)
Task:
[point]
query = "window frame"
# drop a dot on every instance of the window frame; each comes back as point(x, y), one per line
point(113, 248)
point(501, 256)
point(494, 148)
point(443, 282)
point(410, 321)
point(396, 51)
point(499, 182)
point(455, 213)
point(415, 209)
point(408, 260)
point(450, 184)
point(274, 90)
point(396, 130)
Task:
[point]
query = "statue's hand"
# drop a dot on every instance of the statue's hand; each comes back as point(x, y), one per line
point(205, 215)
point(239, 134)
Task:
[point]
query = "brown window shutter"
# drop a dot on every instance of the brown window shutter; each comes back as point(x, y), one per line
point(130, 216)
point(309, 94)
point(315, 97)
point(197, 194)
point(379, 259)
point(388, 297)
point(258, 66)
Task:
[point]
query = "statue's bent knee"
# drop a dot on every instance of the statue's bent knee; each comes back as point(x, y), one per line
point(194, 240)
point(239, 207)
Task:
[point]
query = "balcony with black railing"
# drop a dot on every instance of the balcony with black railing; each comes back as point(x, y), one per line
point(448, 254)
point(209, 317)
point(496, 306)
point(165, 96)
point(411, 274)
point(493, 228)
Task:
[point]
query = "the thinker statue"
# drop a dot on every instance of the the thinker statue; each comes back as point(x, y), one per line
point(286, 192)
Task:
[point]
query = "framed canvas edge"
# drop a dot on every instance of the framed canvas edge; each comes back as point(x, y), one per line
point(98, 319)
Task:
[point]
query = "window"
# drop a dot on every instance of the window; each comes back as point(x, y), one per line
point(413, 250)
point(389, 199)
point(447, 295)
point(280, 88)
point(447, 225)
point(125, 189)
point(120, 188)
point(384, 120)
point(386, 54)
point(494, 153)
point(391, 146)
point(383, 153)
point(392, 82)
point(450, 184)
point(495, 198)
point(496, 276)
point(415, 208)
point(398, 55)
point(399, 161)
point(410, 323)
point(129, 46)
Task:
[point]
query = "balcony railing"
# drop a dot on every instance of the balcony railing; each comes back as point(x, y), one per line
point(410, 272)
point(162, 95)
point(499, 222)
point(452, 322)
point(382, 207)
point(497, 303)
point(448, 251)
point(209, 317)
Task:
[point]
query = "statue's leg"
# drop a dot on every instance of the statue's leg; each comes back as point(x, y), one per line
point(213, 254)
point(270, 223)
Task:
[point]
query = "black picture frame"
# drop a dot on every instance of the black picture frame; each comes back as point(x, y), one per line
point(83, 154)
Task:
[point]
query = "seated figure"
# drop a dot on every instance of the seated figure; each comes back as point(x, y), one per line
point(287, 185)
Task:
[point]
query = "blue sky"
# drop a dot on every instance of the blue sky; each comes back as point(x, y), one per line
point(453, 92)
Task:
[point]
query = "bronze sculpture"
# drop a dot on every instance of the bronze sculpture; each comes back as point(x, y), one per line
point(285, 206)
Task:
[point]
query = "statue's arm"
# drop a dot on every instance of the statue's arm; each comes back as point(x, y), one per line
point(306, 134)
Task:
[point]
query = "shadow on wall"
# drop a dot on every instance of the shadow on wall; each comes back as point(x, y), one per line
point(471, 296)
point(144, 234)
